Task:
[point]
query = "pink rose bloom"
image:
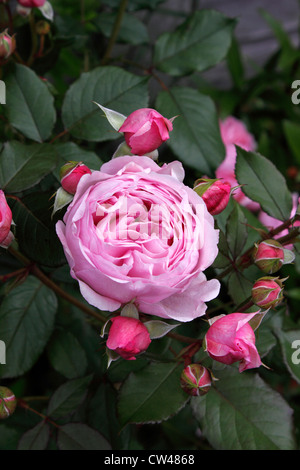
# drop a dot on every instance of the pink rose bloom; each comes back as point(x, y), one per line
point(231, 339)
point(145, 130)
point(234, 132)
point(270, 223)
point(6, 236)
point(134, 231)
point(128, 337)
point(32, 3)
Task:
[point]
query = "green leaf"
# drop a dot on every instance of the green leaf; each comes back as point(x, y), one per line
point(196, 136)
point(152, 394)
point(30, 104)
point(235, 63)
point(23, 166)
point(241, 412)
point(239, 287)
point(66, 355)
point(158, 329)
point(223, 259)
point(78, 436)
point(236, 231)
point(132, 30)
point(292, 135)
point(290, 345)
point(102, 415)
point(263, 184)
point(36, 438)
point(68, 397)
point(289, 54)
point(111, 86)
point(27, 316)
point(198, 44)
point(35, 230)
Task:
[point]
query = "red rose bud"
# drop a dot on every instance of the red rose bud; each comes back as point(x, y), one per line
point(267, 292)
point(269, 256)
point(7, 45)
point(215, 194)
point(6, 236)
point(70, 175)
point(8, 402)
point(195, 380)
point(145, 130)
point(128, 337)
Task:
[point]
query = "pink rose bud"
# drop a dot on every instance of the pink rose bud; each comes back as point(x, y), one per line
point(32, 3)
point(267, 292)
point(269, 256)
point(231, 339)
point(145, 130)
point(6, 236)
point(128, 336)
point(71, 173)
point(7, 45)
point(8, 402)
point(215, 194)
point(195, 380)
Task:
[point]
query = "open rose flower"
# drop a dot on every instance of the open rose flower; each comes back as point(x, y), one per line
point(135, 232)
point(145, 130)
point(234, 132)
point(231, 339)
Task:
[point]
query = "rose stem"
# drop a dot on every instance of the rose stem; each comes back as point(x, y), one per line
point(115, 31)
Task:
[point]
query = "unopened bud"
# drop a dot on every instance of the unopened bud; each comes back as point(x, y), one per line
point(7, 45)
point(42, 27)
point(195, 380)
point(267, 292)
point(8, 402)
point(70, 175)
point(215, 194)
point(269, 256)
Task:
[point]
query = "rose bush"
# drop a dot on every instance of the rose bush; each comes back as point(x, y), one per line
point(134, 231)
point(140, 239)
